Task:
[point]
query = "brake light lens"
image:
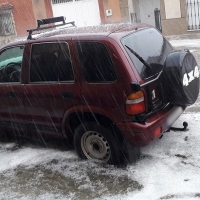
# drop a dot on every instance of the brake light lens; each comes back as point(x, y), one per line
point(135, 103)
point(158, 131)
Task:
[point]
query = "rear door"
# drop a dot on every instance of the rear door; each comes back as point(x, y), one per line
point(100, 87)
point(51, 88)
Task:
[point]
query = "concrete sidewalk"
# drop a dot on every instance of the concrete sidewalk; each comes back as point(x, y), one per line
point(190, 35)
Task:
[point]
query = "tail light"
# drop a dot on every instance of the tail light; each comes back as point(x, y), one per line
point(135, 103)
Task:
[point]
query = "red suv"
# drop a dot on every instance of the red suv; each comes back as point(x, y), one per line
point(105, 88)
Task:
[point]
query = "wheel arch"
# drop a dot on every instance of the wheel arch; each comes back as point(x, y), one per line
point(74, 117)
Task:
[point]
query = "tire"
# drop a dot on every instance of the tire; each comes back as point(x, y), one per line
point(180, 78)
point(94, 141)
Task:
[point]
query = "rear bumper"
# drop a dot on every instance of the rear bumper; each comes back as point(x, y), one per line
point(141, 134)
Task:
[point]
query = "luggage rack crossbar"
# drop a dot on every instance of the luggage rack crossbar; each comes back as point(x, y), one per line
point(49, 21)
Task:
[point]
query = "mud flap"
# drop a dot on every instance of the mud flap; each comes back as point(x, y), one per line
point(132, 153)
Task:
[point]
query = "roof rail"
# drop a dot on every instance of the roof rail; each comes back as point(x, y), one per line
point(48, 21)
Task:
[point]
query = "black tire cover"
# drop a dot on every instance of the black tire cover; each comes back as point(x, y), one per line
point(180, 78)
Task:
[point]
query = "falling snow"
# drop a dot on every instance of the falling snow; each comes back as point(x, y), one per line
point(169, 168)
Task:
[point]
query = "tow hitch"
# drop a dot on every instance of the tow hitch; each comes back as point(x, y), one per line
point(185, 125)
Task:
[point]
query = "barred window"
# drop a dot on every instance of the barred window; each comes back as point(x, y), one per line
point(6, 22)
point(193, 14)
point(63, 1)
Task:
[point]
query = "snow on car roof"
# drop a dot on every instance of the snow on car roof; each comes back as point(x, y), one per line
point(98, 30)
point(104, 29)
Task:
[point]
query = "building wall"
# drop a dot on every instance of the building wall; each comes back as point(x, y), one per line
point(7, 39)
point(48, 8)
point(39, 9)
point(27, 12)
point(115, 7)
point(120, 11)
point(136, 9)
point(23, 15)
point(42, 9)
point(102, 11)
point(174, 26)
point(124, 10)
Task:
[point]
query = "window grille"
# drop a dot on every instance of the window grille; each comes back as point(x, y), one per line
point(61, 1)
point(6, 23)
point(193, 14)
point(133, 17)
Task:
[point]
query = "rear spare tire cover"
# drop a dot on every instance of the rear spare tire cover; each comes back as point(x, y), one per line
point(180, 78)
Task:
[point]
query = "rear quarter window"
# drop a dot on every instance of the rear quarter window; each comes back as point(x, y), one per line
point(96, 63)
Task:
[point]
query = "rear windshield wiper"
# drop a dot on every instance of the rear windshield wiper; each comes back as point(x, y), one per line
point(139, 57)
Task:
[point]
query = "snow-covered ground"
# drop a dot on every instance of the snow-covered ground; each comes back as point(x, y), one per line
point(189, 43)
point(169, 168)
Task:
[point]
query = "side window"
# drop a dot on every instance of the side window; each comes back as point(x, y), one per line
point(96, 62)
point(10, 64)
point(50, 62)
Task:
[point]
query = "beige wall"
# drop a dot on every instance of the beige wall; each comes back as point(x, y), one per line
point(174, 26)
point(116, 15)
point(120, 11)
point(39, 9)
point(136, 9)
point(124, 10)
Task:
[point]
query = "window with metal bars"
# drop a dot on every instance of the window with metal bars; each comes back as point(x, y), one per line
point(6, 23)
point(193, 14)
point(61, 1)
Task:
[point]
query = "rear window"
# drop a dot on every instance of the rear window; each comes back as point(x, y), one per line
point(148, 44)
point(96, 63)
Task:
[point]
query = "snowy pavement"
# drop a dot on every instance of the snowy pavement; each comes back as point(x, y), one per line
point(169, 168)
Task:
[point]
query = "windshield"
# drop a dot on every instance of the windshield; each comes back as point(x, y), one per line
point(148, 44)
point(11, 55)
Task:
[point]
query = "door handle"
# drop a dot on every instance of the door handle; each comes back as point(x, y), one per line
point(12, 94)
point(67, 95)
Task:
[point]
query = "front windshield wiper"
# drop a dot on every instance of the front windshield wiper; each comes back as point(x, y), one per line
point(139, 57)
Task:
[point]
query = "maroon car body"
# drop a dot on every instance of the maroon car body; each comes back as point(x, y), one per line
point(60, 105)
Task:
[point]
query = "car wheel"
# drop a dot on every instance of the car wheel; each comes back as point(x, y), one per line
point(94, 141)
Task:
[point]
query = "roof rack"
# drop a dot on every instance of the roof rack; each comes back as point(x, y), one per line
point(48, 21)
